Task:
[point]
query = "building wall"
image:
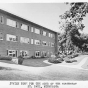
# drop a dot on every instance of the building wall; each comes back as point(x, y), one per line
point(8, 45)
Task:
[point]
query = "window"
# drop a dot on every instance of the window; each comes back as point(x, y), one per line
point(44, 33)
point(37, 31)
point(44, 53)
point(37, 42)
point(37, 54)
point(12, 38)
point(1, 20)
point(44, 43)
point(11, 22)
point(31, 41)
point(24, 40)
point(49, 34)
point(12, 53)
point(1, 36)
point(24, 27)
point(24, 52)
point(52, 44)
point(32, 29)
point(17, 25)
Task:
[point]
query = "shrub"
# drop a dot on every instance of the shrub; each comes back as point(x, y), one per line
point(74, 55)
point(69, 60)
point(5, 58)
point(54, 60)
point(20, 60)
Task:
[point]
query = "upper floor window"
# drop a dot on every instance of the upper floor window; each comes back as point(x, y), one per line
point(32, 29)
point(31, 41)
point(49, 35)
point(37, 31)
point(37, 42)
point(1, 36)
point(44, 33)
point(17, 24)
point(12, 38)
point(1, 19)
point(44, 43)
point(11, 22)
point(24, 40)
point(24, 27)
point(52, 44)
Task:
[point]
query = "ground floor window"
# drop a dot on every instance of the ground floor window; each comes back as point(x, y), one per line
point(44, 53)
point(37, 54)
point(12, 53)
point(23, 52)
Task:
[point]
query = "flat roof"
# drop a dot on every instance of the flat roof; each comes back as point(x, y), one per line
point(10, 14)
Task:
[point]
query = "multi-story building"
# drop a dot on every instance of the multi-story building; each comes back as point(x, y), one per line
point(19, 35)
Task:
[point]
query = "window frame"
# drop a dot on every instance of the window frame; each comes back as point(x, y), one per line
point(37, 31)
point(11, 54)
point(44, 33)
point(1, 19)
point(44, 42)
point(39, 53)
point(26, 53)
point(24, 27)
point(32, 41)
point(37, 41)
point(10, 22)
point(24, 40)
point(10, 38)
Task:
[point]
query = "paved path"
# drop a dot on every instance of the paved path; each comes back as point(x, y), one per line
point(78, 66)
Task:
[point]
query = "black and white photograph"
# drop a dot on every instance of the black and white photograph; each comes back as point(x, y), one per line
point(44, 41)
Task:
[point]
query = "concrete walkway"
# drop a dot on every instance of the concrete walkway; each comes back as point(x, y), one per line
point(78, 66)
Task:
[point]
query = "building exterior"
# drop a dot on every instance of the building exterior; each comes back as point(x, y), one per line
point(18, 35)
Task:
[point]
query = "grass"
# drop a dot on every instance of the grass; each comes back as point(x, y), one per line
point(30, 62)
point(35, 62)
point(53, 72)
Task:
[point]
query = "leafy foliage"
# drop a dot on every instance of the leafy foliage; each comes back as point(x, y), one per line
point(71, 40)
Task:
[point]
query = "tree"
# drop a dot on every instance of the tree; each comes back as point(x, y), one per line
point(71, 23)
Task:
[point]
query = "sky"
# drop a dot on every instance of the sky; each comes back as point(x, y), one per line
point(44, 14)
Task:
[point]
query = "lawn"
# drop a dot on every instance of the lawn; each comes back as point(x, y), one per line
point(35, 62)
point(47, 72)
point(31, 62)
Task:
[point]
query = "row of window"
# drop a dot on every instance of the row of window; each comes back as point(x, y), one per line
point(25, 27)
point(14, 38)
point(13, 53)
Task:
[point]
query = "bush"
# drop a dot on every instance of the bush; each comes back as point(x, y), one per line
point(5, 58)
point(20, 60)
point(74, 55)
point(69, 60)
point(54, 60)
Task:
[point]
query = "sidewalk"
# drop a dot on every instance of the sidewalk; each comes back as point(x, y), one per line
point(69, 65)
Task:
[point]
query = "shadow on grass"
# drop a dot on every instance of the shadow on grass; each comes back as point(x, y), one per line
point(5, 68)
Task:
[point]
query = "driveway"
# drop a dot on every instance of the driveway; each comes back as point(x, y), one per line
point(51, 72)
